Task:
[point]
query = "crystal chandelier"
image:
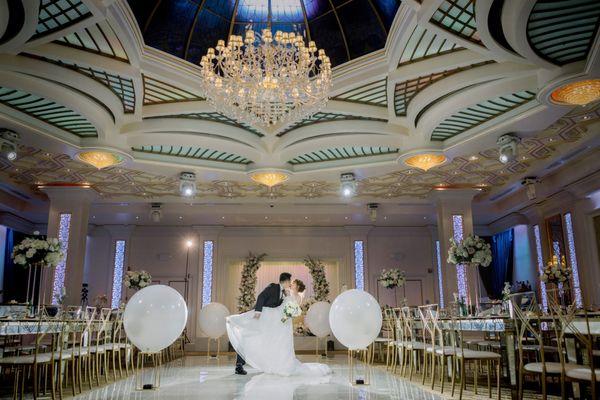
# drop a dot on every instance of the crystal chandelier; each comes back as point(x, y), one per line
point(265, 81)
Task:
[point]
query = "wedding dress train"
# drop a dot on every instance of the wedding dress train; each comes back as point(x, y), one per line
point(267, 344)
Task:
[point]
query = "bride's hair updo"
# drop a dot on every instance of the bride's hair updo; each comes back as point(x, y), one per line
point(301, 286)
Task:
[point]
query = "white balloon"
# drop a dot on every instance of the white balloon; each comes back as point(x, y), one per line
point(317, 319)
point(211, 320)
point(155, 317)
point(355, 319)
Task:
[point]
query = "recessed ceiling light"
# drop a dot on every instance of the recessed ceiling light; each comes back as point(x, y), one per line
point(223, 217)
point(269, 177)
point(577, 93)
point(266, 217)
point(425, 161)
point(473, 158)
point(385, 217)
point(181, 217)
point(99, 159)
point(345, 217)
point(93, 216)
point(305, 217)
point(137, 217)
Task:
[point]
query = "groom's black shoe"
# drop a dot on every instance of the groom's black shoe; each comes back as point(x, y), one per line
point(239, 370)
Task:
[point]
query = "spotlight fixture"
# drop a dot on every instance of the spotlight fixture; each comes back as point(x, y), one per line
point(348, 184)
point(529, 182)
point(372, 207)
point(507, 147)
point(155, 212)
point(187, 184)
point(8, 144)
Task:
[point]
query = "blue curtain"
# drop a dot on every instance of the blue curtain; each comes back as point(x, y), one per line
point(501, 268)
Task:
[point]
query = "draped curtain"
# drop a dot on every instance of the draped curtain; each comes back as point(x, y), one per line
point(501, 268)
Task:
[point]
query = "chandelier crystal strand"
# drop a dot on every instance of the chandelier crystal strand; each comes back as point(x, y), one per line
point(266, 81)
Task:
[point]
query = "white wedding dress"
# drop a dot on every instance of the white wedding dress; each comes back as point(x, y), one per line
point(267, 344)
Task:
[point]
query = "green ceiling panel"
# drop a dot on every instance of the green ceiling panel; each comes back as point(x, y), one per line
point(477, 114)
point(457, 17)
point(341, 153)
point(424, 44)
point(58, 14)
point(48, 111)
point(563, 31)
point(193, 152)
point(99, 38)
point(374, 93)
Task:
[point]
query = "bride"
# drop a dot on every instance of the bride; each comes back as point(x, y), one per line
point(266, 343)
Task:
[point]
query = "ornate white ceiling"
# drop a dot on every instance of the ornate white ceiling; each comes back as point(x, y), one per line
point(452, 77)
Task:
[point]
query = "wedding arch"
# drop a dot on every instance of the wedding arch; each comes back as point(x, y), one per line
point(247, 296)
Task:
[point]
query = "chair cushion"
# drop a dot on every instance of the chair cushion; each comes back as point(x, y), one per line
point(551, 367)
point(478, 355)
point(382, 340)
point(414, 345)
point(490, 343)
point(583, 373)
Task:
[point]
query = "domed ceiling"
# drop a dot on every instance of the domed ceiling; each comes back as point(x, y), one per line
point(346, 29)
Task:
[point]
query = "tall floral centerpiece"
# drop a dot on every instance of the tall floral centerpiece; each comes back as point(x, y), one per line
point(557, 273)
point(317, 272)
point(36, 253)
point(392, 279)
point(472, 251)
point(137, 280)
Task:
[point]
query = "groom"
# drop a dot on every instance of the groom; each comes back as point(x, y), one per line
point(272, 296)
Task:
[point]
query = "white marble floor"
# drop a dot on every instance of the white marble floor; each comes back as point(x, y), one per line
point(197, 377)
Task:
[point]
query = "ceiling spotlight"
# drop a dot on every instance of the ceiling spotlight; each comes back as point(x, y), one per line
point(507, 147)
point(155, 212)
point(8, 144)
point(372, 207)
point(189, 243)
point(187, 184)
point(348, 184)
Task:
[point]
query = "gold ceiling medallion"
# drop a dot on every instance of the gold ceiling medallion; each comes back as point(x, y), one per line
point(265, 81)
point(99, 159)
point(577, 93)
point(425, 161)
point(269, 177)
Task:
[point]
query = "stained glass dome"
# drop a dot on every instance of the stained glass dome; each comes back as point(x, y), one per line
point(346, 29)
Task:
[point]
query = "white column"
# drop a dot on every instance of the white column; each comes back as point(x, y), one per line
point(72, 205)
point(451, 203)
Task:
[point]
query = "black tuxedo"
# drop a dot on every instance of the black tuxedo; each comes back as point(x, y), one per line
point(272, 297)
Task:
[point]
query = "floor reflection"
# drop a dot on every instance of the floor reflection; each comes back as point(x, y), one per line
point(200, 378)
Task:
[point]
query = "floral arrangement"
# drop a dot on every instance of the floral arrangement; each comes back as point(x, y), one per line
point(247, 296)
point(137, 279)
point(391, 279)
point(291, 310)
point(471, 250)
point(506, 291)
point(556, 271)
point(38, 252)
point(100, 301)
point(317, 272)
point(306, 304)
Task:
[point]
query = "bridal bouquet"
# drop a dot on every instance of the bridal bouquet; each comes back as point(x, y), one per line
point(556, 271)
point(137, 279)
point(38, 252)
point(391, 279)
point(471, 250)
point(291, 310)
